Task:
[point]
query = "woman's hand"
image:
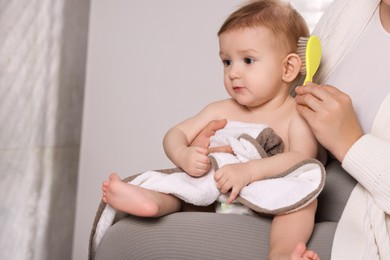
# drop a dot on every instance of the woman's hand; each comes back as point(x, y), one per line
point(203, 138)
point(194, 158)
point(330, 114)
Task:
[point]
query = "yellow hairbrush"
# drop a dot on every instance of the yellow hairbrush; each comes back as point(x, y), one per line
point(309, 50)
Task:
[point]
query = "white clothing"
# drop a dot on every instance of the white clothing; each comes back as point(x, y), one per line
point(370, 53)
point(363, 230)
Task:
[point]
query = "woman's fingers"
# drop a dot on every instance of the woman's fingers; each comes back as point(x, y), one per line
point(221, 149)
point(331, 116)
point(202, 139)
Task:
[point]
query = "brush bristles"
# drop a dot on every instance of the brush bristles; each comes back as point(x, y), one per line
point(301, 51)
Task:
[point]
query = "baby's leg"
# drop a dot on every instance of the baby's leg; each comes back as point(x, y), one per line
point(136, 200)
point(301, 252)
point(290, 233)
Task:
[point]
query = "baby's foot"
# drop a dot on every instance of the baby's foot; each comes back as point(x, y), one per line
point(107, 188)
point(301, 253)
point(128, 198)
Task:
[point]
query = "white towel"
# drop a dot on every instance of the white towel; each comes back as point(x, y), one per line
point(202, 191)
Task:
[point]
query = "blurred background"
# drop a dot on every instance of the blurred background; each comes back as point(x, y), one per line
point(88, 88)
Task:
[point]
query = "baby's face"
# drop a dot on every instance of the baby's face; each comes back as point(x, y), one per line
point(253, 65)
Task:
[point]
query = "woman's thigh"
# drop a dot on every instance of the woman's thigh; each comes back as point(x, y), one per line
point(199, 235)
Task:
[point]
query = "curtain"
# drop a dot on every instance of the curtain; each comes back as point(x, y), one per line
point(42, 72)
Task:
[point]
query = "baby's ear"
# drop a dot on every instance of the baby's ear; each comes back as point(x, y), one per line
point(292, 65)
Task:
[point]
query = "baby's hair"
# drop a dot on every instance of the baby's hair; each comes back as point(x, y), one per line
point(279, 17)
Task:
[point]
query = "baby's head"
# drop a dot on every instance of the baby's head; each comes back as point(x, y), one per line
point(279, 17)
point(258, 45)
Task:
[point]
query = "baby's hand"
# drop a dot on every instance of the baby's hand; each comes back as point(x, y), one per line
point(232, 177)
point(195, 161)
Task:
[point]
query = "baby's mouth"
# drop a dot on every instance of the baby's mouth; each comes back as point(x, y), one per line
point(237, 89)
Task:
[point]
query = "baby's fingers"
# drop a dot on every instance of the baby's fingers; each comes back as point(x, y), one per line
point(233, 195)
point(217, 175)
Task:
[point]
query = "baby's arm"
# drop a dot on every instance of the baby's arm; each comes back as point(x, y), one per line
point(193, 159)
point(301, 145)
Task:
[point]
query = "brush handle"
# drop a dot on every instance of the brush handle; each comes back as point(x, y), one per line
point(308, 78)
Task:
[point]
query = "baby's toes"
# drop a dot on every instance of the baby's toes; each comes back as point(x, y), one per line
point(114, 177)
point(104, 198)
point(105, 185)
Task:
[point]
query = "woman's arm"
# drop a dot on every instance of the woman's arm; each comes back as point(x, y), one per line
point(365, 157)
point(368, 161)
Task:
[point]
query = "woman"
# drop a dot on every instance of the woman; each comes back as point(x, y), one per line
point(356, 44)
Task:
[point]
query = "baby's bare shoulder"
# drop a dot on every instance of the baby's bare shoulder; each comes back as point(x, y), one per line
point(223, 107)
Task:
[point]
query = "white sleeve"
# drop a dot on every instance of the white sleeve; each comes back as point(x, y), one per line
point(368, 161)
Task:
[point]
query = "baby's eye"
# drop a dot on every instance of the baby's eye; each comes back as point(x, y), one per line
point(248, 60)
point(226, 63)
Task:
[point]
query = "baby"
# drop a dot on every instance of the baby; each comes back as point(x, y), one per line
point(258, 44)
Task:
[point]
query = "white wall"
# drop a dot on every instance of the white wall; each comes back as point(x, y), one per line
point(151, 64)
